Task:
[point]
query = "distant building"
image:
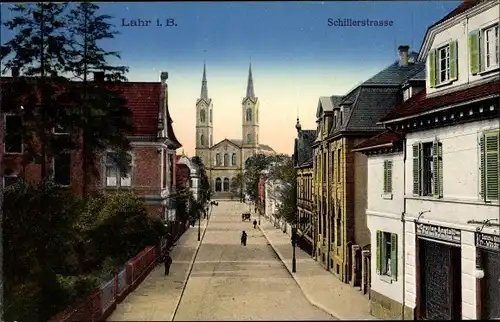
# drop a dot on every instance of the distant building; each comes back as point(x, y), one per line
point(191, 174)
point(225, 160)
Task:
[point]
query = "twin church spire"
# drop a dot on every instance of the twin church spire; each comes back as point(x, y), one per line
point(204, 88)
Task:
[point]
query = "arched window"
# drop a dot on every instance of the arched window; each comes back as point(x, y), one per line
point(226, 159)
point(202, 140)
point(217, 159)
point(233, 159)
point(226, 184)
point(249, 138)
point(202, 116)
point(218, 184)
point(249, 114)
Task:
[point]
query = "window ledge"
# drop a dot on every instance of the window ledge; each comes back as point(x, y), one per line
point(387, 196)
point(13, 153)
point(443, 84)
point(386, 279)
point(489, 70)
point(479, 202)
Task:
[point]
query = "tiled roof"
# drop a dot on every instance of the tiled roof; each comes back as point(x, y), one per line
point(395, 74)
point(303, 146)
point(421, 103)
point(379, 139)
point(462, 7)
point(307, 163)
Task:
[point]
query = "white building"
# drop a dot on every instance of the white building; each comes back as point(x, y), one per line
point(273, 200)
point(194, 175)
point(450, 208)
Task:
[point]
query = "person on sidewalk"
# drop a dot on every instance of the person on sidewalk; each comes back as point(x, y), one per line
point(167, 261)
point(254, 224)
point(243, 238)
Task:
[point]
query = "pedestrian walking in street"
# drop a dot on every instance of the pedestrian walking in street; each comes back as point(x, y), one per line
point(254, 224)
point(244, 238)
point(167, 261)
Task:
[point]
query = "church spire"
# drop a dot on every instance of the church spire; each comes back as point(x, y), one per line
point(204, 89)
point(250, 90)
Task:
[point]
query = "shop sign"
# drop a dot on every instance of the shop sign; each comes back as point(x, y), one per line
point(486, 241)
point(442, 233)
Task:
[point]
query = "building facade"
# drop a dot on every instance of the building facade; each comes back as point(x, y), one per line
point(225, 160)
point(153, 143)
point(303, 161)
point(193, 178)
point(451, 173)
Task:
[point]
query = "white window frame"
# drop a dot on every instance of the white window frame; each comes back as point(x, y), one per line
point(56, 130)
point(446, 50)
point(5, 134)
point(54, 170)
point(8, 176)
point(490, 57)
point(118, 178)
point(385, 269)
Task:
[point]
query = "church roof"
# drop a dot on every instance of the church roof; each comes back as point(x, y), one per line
point(239, 143)
point(204, 88)
point(250, 89)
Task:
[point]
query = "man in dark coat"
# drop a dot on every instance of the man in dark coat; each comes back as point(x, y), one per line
point(244, 238)
point(167, 261)
point(254, 224)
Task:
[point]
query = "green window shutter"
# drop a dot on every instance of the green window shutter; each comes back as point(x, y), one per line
point(394, 257)
point(416, 168)
point(474, 52)
point(389, 176)
point(379, 250)
point(437, 160)
point(453, 60)
point(482, 167)
point(491, 144)
point(385, 176)
point(432, 67)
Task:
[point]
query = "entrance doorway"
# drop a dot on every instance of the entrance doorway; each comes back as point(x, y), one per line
point(490, 285)
point(439, 294)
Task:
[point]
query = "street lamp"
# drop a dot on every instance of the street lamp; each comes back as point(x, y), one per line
point(199, 224)
point(294, 244)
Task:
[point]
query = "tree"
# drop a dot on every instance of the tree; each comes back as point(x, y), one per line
point(40, 48)
point(104, 118)
point(236, 186)
point(253, 169)
point(205, 192)
point(284, 174)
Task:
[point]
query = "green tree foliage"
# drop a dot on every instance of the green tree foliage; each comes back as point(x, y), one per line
point(253, 169)
point(236, 186)
point(285, 176)
point(204, 191)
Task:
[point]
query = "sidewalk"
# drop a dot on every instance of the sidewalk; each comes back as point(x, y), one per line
point(157, 297)
point(319, 286)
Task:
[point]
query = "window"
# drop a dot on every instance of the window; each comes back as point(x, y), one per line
point(325, 163)
point(62, 168)
point(249, 114)
point(339, 228)
point(13, 138)
point(332, 228)
point(489, 165)
point(226, 159)
point(332, 167)
point(406, 94)
point(218, 161)
point(249, 138)
point(113, 176)
point(491, 47)
point(387, 254)
point(225, 185)
point(202, 116)
point(387, 177)
point(428, 169)
point(9, 180)
point(338, 165)
point(61, 129)
point(218, 184)
point(202, 140)
point(443, 64)
point(210, 116)
point(233, 159)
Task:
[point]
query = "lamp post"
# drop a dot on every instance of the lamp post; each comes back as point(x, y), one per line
point(259, 210)
point(294, 244)
point(199, 224)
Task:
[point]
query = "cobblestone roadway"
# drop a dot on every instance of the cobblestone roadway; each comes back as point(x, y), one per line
point(231, 282)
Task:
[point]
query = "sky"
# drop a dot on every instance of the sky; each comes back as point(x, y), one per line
point(296, 57)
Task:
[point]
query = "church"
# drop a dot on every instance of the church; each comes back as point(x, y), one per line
point(225, 160)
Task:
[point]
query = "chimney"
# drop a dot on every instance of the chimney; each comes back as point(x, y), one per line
point(403, 55)
point(163, 77)
point(15, 71)
point(99, 77)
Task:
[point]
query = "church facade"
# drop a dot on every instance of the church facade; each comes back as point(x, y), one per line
point(225, 160)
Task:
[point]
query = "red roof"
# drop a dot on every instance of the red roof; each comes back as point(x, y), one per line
point(420, 103)
point(379, 139)
point(462, 7)
point(143, 100)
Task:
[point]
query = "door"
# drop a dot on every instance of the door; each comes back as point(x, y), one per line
point(491, 285)
point(440, 294)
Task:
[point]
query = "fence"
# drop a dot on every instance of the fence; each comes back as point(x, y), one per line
point(102, 302)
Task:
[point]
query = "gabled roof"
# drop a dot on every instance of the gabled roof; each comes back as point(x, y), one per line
point(265, 147)
point(420, 103)
point(327, 104)
point(230, 141)
point(383, 139)
point(367, 103)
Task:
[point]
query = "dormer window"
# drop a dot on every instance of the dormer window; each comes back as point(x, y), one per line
point(444, 64)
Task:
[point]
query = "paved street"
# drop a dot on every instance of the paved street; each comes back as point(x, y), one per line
point(232, 282)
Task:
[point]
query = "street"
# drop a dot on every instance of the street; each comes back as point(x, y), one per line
point(233, 282)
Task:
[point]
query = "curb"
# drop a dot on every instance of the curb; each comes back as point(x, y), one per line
point(306, 295)
point(190, 268)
